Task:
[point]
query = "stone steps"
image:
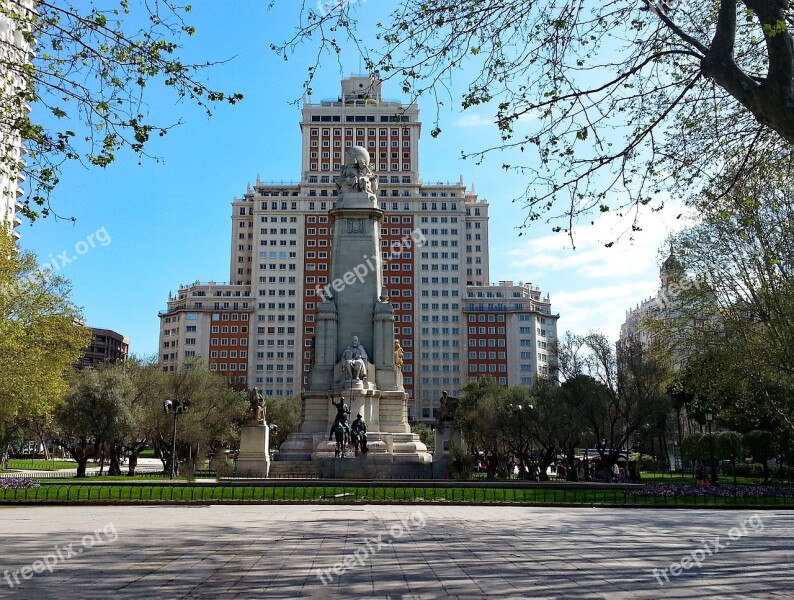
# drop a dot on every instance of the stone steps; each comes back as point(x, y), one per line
point(293, 469)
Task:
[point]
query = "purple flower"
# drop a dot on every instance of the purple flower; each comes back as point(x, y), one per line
point(17, 483)
point(720, 491)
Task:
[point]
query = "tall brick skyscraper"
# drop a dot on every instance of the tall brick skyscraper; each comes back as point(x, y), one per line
point(452, 324)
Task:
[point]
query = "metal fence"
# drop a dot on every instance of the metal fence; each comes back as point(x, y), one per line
point(420, 491)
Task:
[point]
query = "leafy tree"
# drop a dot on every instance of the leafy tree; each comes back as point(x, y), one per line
point(285, 413)
point(426, 435)
point(150, 384)
point(694, 448)
point(40, 334)
point(618, 390)
point(11, 434)
point(211, 421)
point(761, 444)
point(730, 445)
point(96, 413)
point(742, 308)
point(626, 98)
point(555, 424)
point(92, 69)
point(482, 416)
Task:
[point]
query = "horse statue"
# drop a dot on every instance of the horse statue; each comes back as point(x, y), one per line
point(342, 440)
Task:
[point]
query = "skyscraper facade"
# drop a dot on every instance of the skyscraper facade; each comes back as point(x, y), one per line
point(258, 329)
point(15, 52)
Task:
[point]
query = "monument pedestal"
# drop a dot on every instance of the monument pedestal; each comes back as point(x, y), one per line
point(389, 437)
point(447, 434)
point(254, 457)
point(355, 316)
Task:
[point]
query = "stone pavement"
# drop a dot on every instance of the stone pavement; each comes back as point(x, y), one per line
point(405, 551)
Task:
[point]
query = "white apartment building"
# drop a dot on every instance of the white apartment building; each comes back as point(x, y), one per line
point(15, 52)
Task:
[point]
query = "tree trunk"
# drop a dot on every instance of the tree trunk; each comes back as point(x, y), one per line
point(81, 465)
point(101, 459)
point(133, 462)
point(115, 466)
point(40, 435)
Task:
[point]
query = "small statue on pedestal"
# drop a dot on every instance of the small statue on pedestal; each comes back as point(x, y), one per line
point(256, 408)
point(448, 406)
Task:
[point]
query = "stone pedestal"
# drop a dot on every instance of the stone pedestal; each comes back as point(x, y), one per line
point(254, 457)
point(447, 435)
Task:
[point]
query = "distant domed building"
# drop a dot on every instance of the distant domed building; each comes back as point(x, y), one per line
point(664, 306)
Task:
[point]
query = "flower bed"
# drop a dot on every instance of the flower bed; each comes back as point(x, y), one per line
point(718, 491)
point(17, 483)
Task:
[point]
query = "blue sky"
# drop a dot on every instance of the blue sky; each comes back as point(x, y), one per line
point(168, 222)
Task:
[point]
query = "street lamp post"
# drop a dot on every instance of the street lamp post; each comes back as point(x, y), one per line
point(709, 419)
point(604, 459)
point(175, 407)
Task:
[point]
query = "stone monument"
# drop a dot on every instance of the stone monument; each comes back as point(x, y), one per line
point(254, 457)
point(354, 356)
point(447, 434)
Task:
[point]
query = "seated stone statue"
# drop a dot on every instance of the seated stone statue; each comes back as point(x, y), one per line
point(354, 361)
point(256, 407)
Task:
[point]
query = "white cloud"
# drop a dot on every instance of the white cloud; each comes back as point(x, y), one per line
point(481, 120)
point(475, 120)
point(593, 286)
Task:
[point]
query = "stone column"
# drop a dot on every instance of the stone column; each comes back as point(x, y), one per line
point(384, 346)
point(321, 376)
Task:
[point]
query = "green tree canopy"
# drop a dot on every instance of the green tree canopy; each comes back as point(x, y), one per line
point(40, 334)
point(98, 409)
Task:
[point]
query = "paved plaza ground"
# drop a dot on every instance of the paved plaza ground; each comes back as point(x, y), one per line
point(406, 551)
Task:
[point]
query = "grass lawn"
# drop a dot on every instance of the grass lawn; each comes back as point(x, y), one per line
point(39, 464)
point(157, 491)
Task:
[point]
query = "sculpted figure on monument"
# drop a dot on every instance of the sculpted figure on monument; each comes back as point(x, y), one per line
point(359, 432)
point(357, 174)
point(342, 415)
point(449, 407)
point(398, 355)
point(256, 407)
point(354, 361)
